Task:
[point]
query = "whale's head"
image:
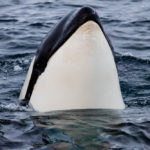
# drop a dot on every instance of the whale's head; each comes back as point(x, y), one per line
point(74, 67)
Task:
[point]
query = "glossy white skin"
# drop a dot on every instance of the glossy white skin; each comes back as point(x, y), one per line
point(80, 75)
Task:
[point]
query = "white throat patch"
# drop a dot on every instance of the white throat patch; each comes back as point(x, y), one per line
point(80, 75)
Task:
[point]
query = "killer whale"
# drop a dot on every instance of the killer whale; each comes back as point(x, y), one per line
point(74, 67)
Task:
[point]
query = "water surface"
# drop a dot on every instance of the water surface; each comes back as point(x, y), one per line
point(23, 25)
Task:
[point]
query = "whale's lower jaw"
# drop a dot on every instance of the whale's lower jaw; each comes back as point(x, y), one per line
point(73, 107)
point(80, 75)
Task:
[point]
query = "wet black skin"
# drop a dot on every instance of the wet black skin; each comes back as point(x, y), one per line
point(55, 38)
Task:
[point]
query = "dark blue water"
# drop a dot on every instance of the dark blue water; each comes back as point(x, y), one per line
point(23, 25)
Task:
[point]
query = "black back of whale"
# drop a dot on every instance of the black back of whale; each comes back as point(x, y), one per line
point(56, 37)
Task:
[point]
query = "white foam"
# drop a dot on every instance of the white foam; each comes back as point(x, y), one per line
point(17, 68)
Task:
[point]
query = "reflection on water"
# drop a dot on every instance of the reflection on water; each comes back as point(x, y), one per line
point(88, 129)
point(80, 128)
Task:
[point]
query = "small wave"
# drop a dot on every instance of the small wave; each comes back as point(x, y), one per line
point(17, 61)
point(8, 20)
point(53, 135)
point(38, 24)
point(5, 37)
point(12, 107)
point(17, 68)
point(9, 66)
point(138, 102)
point(137, 46)
point(26, 61)
point(42, 3)
point(129, 56)
point(14, 56)
point(140, 22)
point(110, 21)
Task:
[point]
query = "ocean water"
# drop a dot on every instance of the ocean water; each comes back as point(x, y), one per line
point(23, 25)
